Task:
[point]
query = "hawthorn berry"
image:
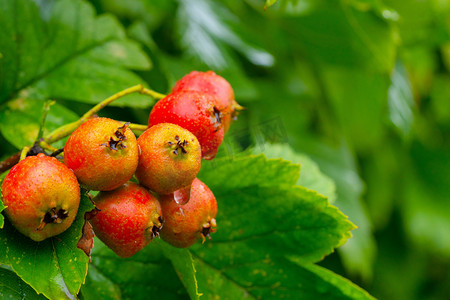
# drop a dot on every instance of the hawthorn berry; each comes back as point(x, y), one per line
point(41, 196)
point(215, 85)
point(129, 217)
point(169, 159)
point(103, 154)
point(186, 224)
point(195, 112)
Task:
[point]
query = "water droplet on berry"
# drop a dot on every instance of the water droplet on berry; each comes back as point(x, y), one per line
point(182, 196)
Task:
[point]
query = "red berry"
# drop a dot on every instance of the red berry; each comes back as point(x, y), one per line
point(186, 224)
point(169, 159)
point(215, 85)
point(41, 196)
point(103, 154)
point(129, 218)
point(195, 112)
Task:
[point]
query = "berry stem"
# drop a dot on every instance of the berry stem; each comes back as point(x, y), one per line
point(138, 127)
point(67, 129)
point(152, 93)
point(24, 153)
point(9, 162)
point(45, 145)
point(45, 110)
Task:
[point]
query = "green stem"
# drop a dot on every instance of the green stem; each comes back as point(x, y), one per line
point(138, 127)
point(152, 93)
point(44, 145)
point(45, 110)
point(67, 129)
point(24, 153)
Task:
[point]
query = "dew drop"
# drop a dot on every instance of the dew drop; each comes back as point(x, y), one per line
point(182, 196)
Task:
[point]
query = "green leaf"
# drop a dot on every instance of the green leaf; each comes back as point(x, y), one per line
point(183, 262)
point(153, 13)
point(339, 287)
point(276, 279)
point(98, 286)
point(12, 287)
point(401, 101)
point(62, 54)
point(2, 207)
point(146, 273)
point(269, 3)
point(20, 121)
point(440, 104)
point(247, 172)
point(426, 204)
point(207, 35)
point(346, 36)
point(358, 99)
point(53, 267)
point(263, 219)
point(310, 175)
point(358, 254)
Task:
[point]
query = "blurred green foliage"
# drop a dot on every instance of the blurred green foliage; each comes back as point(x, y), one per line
point(360, 86)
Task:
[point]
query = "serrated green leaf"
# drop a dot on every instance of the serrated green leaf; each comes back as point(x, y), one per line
point(20, 121)
point(62, 53)
point(339, 287)
point(292, 218)
point(54, 267)
point(12, 287)
point(146, 273)
point(358, 254)
point(276, 279)
point(263, 218)
point(310, 174)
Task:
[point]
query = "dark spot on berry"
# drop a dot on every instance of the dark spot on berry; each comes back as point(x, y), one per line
point(53, 216)
point(157, 228)
point(114, 144)
point(206, 232)
point(218, 115)
point(208, 228)
point(181, 145)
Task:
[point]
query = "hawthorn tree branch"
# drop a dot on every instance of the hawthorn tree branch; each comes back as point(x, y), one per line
point(67, 129)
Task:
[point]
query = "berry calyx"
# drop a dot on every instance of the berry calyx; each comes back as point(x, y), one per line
point(103, 154)
point(42, 197)
point(170, 158)
point(215, 85)
point(195, 112)
point(186, 224)
point(128, 218)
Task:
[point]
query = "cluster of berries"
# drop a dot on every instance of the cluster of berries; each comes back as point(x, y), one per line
point(42, 194)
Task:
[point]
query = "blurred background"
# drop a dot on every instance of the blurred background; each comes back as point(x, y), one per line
point(362, 87)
